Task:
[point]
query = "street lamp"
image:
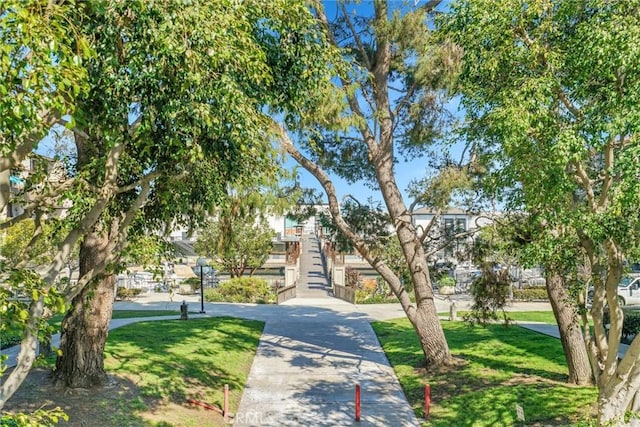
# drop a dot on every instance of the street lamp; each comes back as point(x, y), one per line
point(202, 262)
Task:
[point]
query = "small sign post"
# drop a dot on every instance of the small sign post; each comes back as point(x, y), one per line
point(520, 413)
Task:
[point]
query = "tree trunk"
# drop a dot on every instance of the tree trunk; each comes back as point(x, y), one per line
point(611, 410)
point(573, 345)
point(86, 325)
point(432, 340)
point(425, 318)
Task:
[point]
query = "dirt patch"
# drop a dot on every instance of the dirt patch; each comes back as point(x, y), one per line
point(456, 363)
point(120, 403)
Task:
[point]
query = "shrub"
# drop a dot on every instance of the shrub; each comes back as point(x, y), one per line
point(242, 289)
point(352, 277)
point(446, 281)
point(9, 339)
point(530, 293)
point(490, 292)
point(365, 297)
point(630, 324)
point(194, 282)
point(39, 418)
point(126, 293)
point(377, 292)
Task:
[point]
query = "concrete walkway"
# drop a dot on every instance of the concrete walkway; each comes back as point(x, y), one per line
point(308, 364)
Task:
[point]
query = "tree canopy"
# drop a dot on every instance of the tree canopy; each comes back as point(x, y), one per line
point(167, 103)
point(551, 94)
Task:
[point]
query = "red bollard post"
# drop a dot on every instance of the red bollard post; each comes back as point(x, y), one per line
point(358, 402)
point(225, 410)
point(427, 400)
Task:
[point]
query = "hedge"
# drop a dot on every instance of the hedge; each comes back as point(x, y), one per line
point(630, 324)
point(242, 289)
point(126, 293)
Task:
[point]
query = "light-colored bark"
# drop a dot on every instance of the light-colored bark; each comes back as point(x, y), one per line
point(422, 315)
point(29, 344)
point(26, 356)
point(377, 135)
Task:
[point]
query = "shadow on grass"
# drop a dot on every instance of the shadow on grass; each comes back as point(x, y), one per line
point(498, 368)
point(155, 368)
point(177, 361)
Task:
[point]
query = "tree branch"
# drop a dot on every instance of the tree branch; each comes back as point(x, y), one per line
point(558, 89)
point(27, 354)
point(334, 208)
point(450, 240)
point(145, 180)
point(369, 137)
point(607, 171)
point(36, 202)
point(584, 180)
point(427, 230)
point(356, 37)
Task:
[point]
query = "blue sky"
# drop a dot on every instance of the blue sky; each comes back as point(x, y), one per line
point(405, 171)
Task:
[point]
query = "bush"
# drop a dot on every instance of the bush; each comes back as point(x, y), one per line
point(365, 297)
point(194, 282)
point(39, 418)
point(377, 292)
point(490, 292)
point(242, 289)
point(446, 285)
point(126, 293)
point(352, 278)
point(531, 293)
point(630, 324)
point(446, 281)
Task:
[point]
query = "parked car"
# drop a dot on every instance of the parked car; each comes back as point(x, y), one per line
point(628, 291)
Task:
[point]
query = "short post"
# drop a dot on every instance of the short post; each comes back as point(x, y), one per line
point(453, 312)
point(225, 408)
point(358, 402)
point(201, 262)
point(184, 310)
point(427, 400)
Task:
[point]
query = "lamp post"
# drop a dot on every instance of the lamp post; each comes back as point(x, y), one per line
point(202, 262)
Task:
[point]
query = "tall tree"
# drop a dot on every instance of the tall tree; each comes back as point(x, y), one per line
point(391, 81)
point(524, 239)
point(174, 109)
point(552, 94)
point(41, 73)
point(174, 116)
point(238, 237)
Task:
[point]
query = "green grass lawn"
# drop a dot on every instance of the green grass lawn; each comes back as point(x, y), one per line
point(519, 316)
point(174, 361)
point(156, 369)
point(11, 338)
point(499, 369)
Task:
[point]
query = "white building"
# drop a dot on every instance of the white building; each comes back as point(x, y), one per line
point(452, 222)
